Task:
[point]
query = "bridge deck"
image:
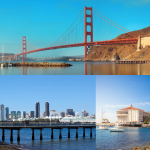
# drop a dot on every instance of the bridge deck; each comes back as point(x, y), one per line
point(51, 127)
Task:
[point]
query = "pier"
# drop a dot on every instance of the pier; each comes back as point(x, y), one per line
point(58, 126)
point(130, 62)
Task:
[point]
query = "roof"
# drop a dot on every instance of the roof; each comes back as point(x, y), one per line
point(131, 107)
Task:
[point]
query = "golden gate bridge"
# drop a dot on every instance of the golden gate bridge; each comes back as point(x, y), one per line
point(89, 28)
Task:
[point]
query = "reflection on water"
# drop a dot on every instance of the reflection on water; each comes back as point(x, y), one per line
point(48, 143)
point(81, 68)
point(133, 136)
point(118, 69)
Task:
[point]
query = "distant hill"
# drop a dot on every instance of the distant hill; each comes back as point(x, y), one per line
point(121, 51)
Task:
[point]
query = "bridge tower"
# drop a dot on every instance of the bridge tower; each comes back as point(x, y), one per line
point(89, 23)
point(24, 48)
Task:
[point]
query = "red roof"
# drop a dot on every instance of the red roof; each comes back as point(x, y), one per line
point(130, 108)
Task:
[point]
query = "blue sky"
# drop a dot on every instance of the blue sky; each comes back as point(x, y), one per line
point(45, 21)
point(116, 92)
point(62, 92)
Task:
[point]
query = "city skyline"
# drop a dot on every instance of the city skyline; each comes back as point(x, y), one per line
point(118, 92)
point(70, 91)
point(42, 29)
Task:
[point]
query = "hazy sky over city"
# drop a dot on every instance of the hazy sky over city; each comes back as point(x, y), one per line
point(62, 92)
point(116, 92)
point(43, 22)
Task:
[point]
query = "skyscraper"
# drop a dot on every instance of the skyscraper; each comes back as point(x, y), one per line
point(47, 109)
point(18, 114)
point(70, 112)
point(13, 114)
point(84, 113)
point(31, 114)
point(37, 110)
point(2, 112)
point(7, 113)
point(62, 114)
point(24, 114)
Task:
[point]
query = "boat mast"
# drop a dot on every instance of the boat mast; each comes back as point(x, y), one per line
point(102, 115)
point(2, 53)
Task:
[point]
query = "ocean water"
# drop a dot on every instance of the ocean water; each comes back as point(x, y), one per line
point(133, 136)
point(47, 143)
point(81, 68)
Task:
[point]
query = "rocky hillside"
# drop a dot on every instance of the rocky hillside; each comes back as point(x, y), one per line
point(121, 51)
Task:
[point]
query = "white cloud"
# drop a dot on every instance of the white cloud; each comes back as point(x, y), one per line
point(142, 104)
point(108, 105)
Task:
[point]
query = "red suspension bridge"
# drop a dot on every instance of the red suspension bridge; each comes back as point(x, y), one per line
point(89, 28)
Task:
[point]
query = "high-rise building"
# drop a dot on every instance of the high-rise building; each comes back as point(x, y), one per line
point(1, 112)
point(62, 114)
point(84, 113)
point(24, 114)
point(70, 112)
point(13, 114)
point(37, 110)
point(18, 114)
point(54, 113)
point(7, 113)
point(31, 114)
point(47, 109)
point(93, 115)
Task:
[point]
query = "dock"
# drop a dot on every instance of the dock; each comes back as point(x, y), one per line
point(40, 127)
point(130, 62)
point(131, 125)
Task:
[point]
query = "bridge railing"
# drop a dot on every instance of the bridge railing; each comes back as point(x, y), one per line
point(47, 124)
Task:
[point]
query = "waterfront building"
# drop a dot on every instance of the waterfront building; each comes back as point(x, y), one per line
point(131, 115)
point(37, 110)
point(9, 116)
point(54, 113)
point(62, 114)
point(84, 113)
point(77, 119)
point(31, 114)
point(46, 109)
point(70, 112)
point(18, 115)
point(24, 114)
point(13, 115)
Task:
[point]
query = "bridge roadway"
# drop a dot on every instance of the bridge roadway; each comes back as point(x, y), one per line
point(109, 42)
point(51, 126)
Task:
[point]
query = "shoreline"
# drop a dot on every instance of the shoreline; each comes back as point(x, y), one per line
point(6, 146)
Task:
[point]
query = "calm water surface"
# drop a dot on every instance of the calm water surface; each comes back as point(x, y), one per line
point(81, 68)
point(48, 143)
point(133, 136)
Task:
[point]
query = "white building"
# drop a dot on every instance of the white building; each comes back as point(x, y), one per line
point(131, 115)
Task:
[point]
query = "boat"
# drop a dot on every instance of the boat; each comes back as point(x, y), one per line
point(102, 128)
point(116, 130)
point(9, 65)
point(3, 64)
